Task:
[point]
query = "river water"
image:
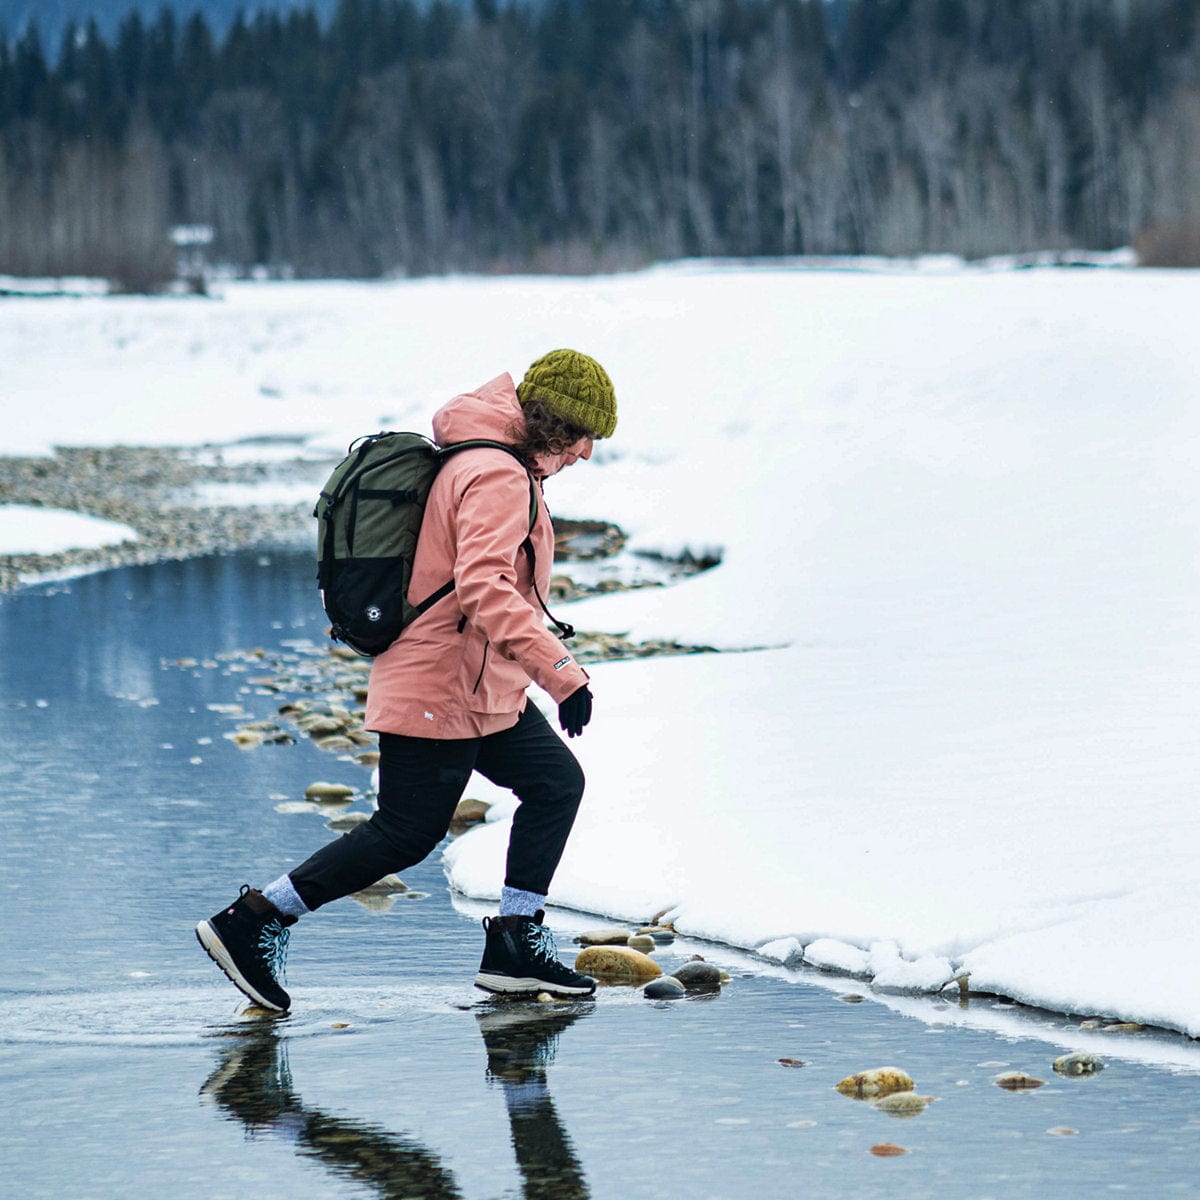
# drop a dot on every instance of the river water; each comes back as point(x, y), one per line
point(130, 1067)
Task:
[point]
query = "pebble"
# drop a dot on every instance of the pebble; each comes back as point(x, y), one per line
point(1018, 1081)
point(469, 812)
point(1078, 1064)
point(642, 941)
point(878, 1081)
point(851, 998)
point(617, 964)
point(887, 1150)
point(1062, 1131)
point(666, 988)
point(663, 934)
point(792, 1062)
point(388, 885)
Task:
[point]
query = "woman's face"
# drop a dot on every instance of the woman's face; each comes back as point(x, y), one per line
point(545, 465)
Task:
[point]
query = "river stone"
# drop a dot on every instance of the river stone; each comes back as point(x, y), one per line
point(335, 744)
point(368, 758)
point(603, 937)
point(246, 739)
point(1122, 1027)
point(617, 964)
point(660, 933)
point(469, 812)
point(323, 792)
point(288, 807)
point(641, 941)
point(887, 1150)
point(388, 885)
point(318, 727)
point(347, 821)
point(1018, 1081)
point(1078, 1064)
point(902, 1104)
point(792, 1062)
point(699, 976)
point(879, 1081)
point(666, 988)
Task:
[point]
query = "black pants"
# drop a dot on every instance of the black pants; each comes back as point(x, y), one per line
point(421, 781)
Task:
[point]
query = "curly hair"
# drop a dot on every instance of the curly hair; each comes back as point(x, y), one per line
point(541, 432)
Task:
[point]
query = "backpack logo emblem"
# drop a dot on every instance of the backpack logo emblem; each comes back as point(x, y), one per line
point(374, 613)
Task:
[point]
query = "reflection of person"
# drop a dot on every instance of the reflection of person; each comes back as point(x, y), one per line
point(252, 1084)
point(448, 696)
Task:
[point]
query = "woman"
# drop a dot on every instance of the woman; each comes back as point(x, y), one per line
point(448, 697)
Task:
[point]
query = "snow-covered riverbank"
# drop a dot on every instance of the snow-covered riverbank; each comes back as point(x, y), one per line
point(959, 518)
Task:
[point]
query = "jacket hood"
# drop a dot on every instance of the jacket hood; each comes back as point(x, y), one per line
point(488, 412)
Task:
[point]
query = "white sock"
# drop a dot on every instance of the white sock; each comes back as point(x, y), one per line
point(284, 896)
point(516, 903)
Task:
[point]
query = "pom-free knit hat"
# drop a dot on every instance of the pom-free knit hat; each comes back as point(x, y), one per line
point(573, 387)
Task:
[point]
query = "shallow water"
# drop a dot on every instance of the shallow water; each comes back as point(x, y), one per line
point(130, 1068)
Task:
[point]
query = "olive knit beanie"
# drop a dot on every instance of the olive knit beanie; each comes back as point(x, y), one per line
point(574, 388)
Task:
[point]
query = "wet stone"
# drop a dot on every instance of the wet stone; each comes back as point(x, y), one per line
point(887, 1150)
point(878, 1081)
point(699, 976)
point(792, 1062)
point(346, 822)
point(662, 934)
point(1078, 1064)
point(666, 988)
point(641, 941)
point(1018, 1081)
point(322, 791)
point(603, 937)
point(616, 964)
point(469, 812)
point(902, 1104)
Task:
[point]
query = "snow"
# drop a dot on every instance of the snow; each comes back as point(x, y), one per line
point(958, 512)
point(28, 530)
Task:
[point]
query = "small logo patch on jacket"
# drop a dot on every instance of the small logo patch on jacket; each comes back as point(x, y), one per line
point(562, 662)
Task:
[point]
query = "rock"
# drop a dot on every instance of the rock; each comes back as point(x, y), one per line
point(1062, 1131)
point(660, 933)
point(389, 885)
point(699, 976)
point(1122, 1027)
point(368, 758)
point(617, 964)
point(1078, 1064)
point(902, 1104)
point(657, 919)
point(246, 739)
point(319, 727)
point(297, 806)
point(336, 744)
point(347, 821)
point(603, 937)
point(792, 1062)
point(469, 812)
point(666, 988)
point(641, 941)
point(852, 998)
point(879, 1081)
point(1018, 1081)
point(323, 792)
point(887, 1150)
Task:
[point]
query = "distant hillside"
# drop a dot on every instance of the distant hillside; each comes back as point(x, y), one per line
point(53, 16)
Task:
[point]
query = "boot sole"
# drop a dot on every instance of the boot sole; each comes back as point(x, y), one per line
point(206, 935)
point(527, 985)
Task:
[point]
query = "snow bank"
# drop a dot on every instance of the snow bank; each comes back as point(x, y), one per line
point(28, 530)
point(958, 514)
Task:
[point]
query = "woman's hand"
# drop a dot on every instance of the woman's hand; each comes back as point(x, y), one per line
point(575, 711)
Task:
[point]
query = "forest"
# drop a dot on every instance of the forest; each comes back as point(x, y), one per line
point(405, 137)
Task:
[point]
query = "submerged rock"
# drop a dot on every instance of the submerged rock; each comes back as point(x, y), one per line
point(617, 964)
point(792, 1062)
point(666, 988)
point(346, 821)
point(1018, 1081)
point(878, 1081)
point(1078, 1064)
point(887, 1150)
point(902, 1104)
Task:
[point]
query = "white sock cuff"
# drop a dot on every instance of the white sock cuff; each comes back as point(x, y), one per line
point(284, 896)
point(516, 903)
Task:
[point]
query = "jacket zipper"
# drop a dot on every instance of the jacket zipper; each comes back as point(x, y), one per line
point(482, 667)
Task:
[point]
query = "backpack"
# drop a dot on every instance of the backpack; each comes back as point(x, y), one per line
point(368, 520)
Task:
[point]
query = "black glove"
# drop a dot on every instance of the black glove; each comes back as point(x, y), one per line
point(575, 711)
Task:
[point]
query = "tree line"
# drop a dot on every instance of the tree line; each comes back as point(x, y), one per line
point(403, 136)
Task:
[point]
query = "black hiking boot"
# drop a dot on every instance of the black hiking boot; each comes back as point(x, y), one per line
point(248, 941)
point(520, 958)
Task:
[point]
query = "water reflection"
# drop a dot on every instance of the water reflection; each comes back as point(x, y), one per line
point(253, 1084)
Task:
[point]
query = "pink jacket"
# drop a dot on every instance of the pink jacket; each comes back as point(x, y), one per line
point(461, 669)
